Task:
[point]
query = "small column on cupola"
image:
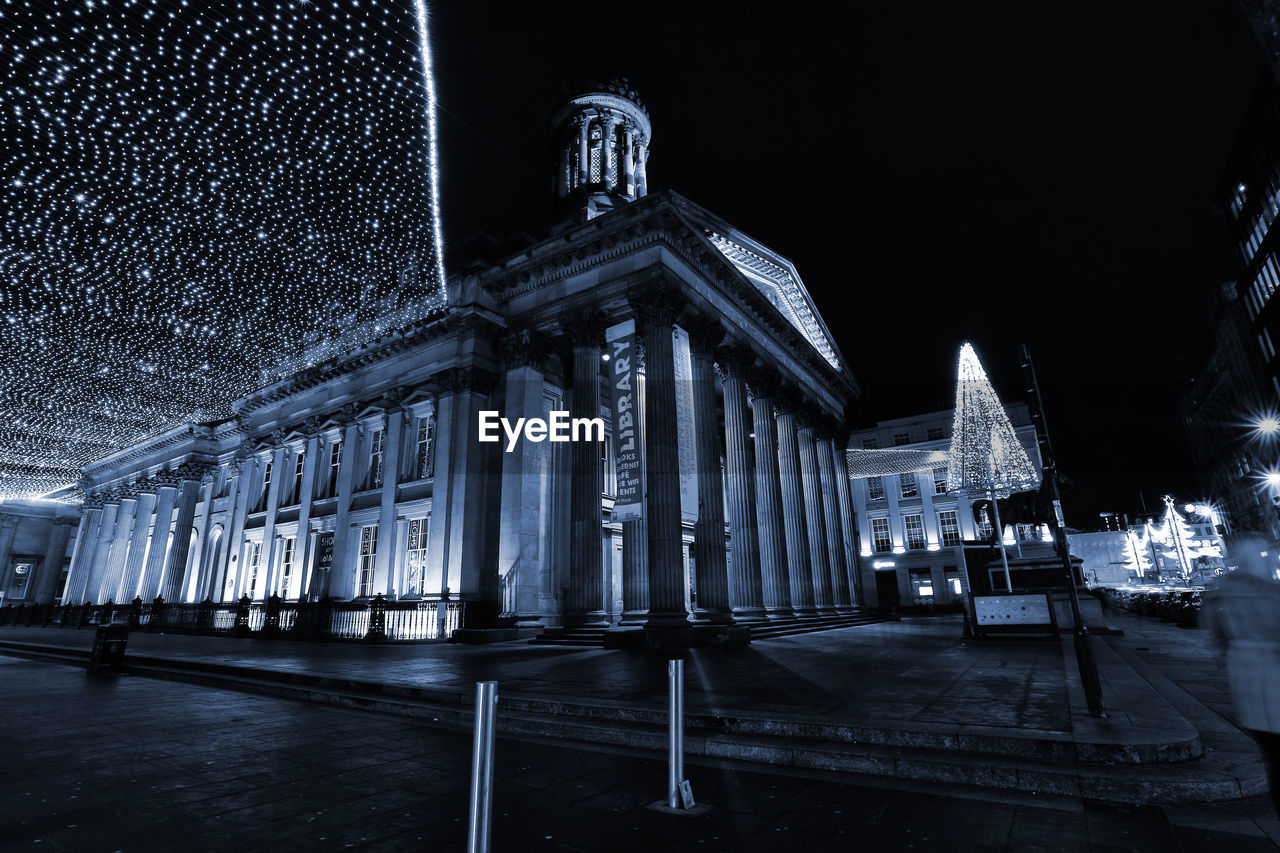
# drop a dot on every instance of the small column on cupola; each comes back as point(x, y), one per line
point(601, 134)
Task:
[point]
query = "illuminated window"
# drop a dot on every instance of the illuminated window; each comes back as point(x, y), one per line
point(875, 489)
point(901, 438)
point(254, 559)
point(935, 433)
point(335, 464)
point(426, 436)
point(950, 528)
point(880, 535)
point(907, 485)
point(940, 480)
point(415, 566)
point(376, 458)
point(368, 555)
point(984, 524)
point(286, 565)
point(296, 495)
point(914, 525)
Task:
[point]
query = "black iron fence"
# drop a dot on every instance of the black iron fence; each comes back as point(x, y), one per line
point(365, 620)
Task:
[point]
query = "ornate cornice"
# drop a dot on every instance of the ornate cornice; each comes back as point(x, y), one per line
point(525, 348)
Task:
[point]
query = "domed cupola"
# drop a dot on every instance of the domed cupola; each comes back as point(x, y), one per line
point(601, 137)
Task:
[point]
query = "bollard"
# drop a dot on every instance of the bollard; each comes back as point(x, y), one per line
point(482, 767)
point(679, 792)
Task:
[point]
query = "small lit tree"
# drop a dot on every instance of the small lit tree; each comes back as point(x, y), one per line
point(1137, 552)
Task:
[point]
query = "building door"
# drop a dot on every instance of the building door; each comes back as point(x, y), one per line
point(887, 590)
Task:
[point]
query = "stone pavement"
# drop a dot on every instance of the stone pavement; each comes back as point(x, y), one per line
point(124, 763)
point(891, 699)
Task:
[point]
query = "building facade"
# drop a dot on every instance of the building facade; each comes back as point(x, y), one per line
point(912, 531)
point(36, 539)
point(365, 476)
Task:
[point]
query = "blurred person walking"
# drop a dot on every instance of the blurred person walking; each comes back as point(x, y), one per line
point(1243, 616)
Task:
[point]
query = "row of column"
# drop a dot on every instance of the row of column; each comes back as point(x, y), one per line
point(792, 539)
point(631, 151)
point(123, 546)
point(42, 585)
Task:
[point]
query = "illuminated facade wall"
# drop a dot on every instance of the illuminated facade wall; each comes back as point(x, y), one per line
point(921, 526)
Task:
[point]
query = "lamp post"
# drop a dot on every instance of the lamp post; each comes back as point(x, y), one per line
point(1084, 653)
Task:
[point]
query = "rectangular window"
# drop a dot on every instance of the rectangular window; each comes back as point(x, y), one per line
point(922, 586)
point(415, 565)
point(376, 456)
point(875, 489)
point(870, 443)
point(266, 486)
point(253, 561)
point(950, 527)
point(901, 438)
point(914, 525)
point(286, 565)
point(368, 555)
point(608, 477)
point(940, 480)
point(907, 485)
point(880, 535)
point(297, 478)
point(335, 464)
point(936, 433)
point(984, 524)
point(422, 467)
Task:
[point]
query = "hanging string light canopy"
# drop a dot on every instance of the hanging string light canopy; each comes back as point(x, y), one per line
point(197, 199)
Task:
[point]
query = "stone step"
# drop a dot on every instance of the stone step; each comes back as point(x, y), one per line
point(1043, 763)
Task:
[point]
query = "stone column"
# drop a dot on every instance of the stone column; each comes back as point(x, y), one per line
point(774, 571)
point(608, 165)
point(709, 559)
point(51, 566)
point(153, 572)
point(241, 490)
point(635, 534)
point(526, 477)
point(629, 158)
point(138, 539)
point(269, 571)
point(848, 526)
point(342, 563)
point(792, 490)
point(745, 589)
point(302, 547)
point(834, 530)
point(387, 545)
point(819, 556)
point(203, 524)
point(175, 574)
point(102, 553)
point(642, 157)
point(657, 303)
point(584, 150)
point(114, 569)
point(82, 558)
point(586, 556)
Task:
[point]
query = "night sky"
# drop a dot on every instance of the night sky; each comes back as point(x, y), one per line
point(936, 173)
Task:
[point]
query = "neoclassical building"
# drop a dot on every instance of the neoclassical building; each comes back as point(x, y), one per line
point(364, 476)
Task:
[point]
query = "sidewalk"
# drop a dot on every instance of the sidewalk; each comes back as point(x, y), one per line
point(136, 764)
point(891, 699)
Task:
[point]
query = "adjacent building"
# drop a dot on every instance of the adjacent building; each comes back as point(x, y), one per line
point(912, 531)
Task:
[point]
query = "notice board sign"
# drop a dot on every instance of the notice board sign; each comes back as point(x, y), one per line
point(1014, 612)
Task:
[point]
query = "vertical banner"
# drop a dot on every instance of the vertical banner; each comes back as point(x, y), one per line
point(628, 459)
point(684, 426)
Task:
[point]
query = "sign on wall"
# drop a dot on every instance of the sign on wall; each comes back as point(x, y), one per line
point(620, 341)
point(324, 551)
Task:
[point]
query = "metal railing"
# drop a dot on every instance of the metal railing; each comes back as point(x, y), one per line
point(364, 620)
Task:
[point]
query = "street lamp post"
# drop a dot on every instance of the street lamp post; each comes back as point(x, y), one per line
point(1080, 636)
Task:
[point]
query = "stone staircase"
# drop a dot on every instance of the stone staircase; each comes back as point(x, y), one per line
point(595, 637)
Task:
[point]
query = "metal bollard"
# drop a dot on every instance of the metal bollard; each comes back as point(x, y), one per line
point(482, 767)
point(675, 734)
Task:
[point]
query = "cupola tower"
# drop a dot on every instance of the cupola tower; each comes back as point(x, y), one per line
point(601, 136)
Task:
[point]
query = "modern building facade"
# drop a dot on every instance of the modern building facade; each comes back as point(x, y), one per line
point(365, 476)
point(912, 531)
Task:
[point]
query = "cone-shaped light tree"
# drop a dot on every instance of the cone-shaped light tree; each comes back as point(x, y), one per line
point(986, 457)
point(1137, 552)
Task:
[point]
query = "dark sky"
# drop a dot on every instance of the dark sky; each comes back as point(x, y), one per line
point(937, 173)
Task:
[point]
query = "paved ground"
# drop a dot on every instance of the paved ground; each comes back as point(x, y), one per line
point(132, 764)
point(915, 670)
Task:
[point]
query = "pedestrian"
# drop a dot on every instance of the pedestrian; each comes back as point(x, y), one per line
point(1243, 615)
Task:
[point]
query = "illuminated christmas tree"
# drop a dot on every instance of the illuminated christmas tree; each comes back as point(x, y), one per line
point(1137, 552)
point(986, 458)
point(1179, 543)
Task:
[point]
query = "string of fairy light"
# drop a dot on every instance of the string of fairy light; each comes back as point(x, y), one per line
point(197, 199)
point(986, 457)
